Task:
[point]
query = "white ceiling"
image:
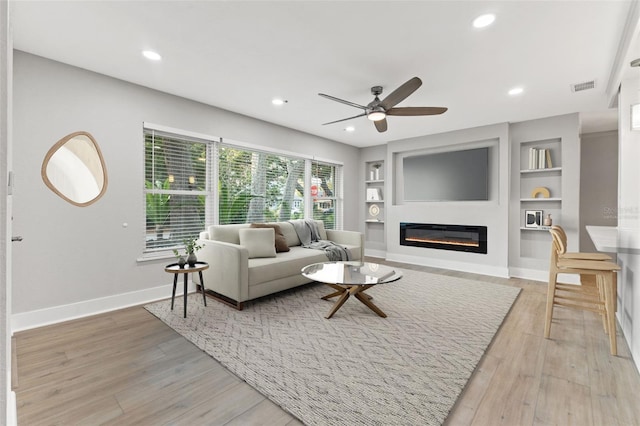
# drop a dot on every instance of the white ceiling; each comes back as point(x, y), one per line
point(238, 55)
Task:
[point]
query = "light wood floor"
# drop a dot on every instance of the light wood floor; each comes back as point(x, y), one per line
point(126, 367)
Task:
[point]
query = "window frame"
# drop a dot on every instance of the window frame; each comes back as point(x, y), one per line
point(212, 171)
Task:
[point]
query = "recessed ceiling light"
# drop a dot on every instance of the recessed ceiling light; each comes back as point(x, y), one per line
point(150, 54)
point(516, 91)
point(484, 20)
point(350, 129)
point(278, 101)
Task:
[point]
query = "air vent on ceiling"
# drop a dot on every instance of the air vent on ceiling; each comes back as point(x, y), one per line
point(579, 87)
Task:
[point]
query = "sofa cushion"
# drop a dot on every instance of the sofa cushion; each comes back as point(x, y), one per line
point(289, 234)
point(289, 264)
point(284, 265)
point(292, 236)
point(226, 233)
point(259, 242)
point(280, 240)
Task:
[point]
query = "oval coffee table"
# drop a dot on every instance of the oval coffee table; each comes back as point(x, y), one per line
point(351, 279)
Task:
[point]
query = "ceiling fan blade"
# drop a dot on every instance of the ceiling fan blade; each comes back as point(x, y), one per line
point(401, 93)
point(410, 111)
point(345, 119)
point(381, 125)
point(342, 101)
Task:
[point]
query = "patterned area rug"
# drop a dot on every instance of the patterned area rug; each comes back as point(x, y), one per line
point(356, 368)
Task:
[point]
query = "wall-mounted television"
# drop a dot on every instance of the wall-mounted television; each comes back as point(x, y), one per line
point(447, 176)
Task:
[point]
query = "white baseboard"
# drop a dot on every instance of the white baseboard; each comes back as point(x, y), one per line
point(41, 317)
point(529, 274)
point(12, 409)
point(538, 275)
point(453, 265)
point(375, 253)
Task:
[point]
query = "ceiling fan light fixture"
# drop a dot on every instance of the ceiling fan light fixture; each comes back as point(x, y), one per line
point(377, 114)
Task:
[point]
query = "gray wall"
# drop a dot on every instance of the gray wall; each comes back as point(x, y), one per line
point(529, 251)
point(493, 213)
point(598, 183)
point(502, 214)
point(72, 255)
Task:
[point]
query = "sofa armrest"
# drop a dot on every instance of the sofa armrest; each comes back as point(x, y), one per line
point(204, 235)
point(347, 237)
point(228, 272)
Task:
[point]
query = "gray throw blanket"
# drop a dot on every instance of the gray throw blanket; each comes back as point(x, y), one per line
point(309, 236)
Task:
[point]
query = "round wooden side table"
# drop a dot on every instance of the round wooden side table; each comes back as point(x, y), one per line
point(176, 270)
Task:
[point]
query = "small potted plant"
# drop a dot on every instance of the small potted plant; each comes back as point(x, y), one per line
point(191, 246)
point(181, 259)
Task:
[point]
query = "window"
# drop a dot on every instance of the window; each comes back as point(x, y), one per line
point(257, 186)
point(325, 187)
point(176, 189)
point(191, 182)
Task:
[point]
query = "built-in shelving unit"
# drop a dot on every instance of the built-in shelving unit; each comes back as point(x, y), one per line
point(537, 179)
point(374, 205)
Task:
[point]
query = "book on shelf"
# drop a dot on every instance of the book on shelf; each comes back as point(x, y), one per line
point(539, 158)
point(533, 158)
point(548, 157)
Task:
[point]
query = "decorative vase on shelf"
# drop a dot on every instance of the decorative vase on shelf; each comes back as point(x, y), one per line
point(547, 220)
point(181, 262)
point(192, 259)
point(372, 175)
point(376, 169)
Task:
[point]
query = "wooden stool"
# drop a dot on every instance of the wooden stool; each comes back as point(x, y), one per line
point(600, 299)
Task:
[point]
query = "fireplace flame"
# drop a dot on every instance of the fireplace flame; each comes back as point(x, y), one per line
point(466, 243)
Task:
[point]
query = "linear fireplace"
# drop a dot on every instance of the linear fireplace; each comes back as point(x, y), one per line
point(444, 237)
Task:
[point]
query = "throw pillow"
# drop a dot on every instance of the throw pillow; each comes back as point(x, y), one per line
point(259, 242)
point(280, 240)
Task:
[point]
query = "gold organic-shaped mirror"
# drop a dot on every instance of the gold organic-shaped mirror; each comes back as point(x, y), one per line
point(74, 169)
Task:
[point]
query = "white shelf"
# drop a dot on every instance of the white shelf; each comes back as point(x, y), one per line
point(544, 200)
point(539, 228)
point(374, 221)
point(374, 181)
point(547, 170)
point(375, 201)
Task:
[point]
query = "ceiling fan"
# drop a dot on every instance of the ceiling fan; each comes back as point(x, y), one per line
point(377, 110)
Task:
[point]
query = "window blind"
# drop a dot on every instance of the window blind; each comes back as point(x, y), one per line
point(258, 186)
point(176, 189)
point(191, 183)
point(326, 190)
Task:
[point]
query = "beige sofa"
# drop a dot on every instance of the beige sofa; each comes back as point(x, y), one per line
point(236, 272)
